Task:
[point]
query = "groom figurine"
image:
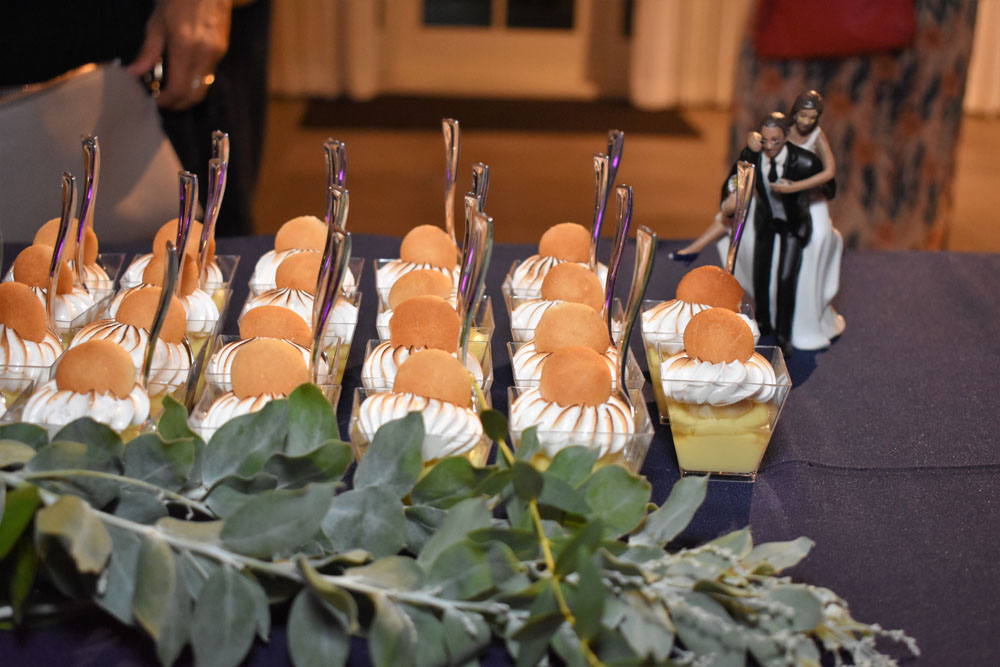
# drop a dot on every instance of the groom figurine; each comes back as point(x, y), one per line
point(785, 216)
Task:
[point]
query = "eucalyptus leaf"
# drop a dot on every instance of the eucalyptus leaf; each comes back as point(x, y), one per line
point(17, 513)
point(494, 424)
point(808, 610)
point(244, 444)
point(275, 522)
point(23, 568)
point(739, 542)
point(116, 592)
point(369, 518)
point(13, 452)
point(225, 617)
point(567, 646)
point(173, 423)
point(315, 638)
point(421, 523)
point(647, 628)
point(3, 501)
point(392, 640)
point(465, 634)
point(32, 435)
point(431, 647)
point(394, 460)
point(584, 540)
point(95, 435)
point(529, 445)
point(338, 601)
point(573, 464)
point(195, 571)
point(164, 464)
point(231, 493)
point(139, 505)
point(391, 572)
point(675, 514)
point(527, 481)
point(588, 604)
point(617, 497)
point(326, 463)
point(72, 520)
point(312, 420)
point(447, 482)
point(493, 483)
point(202, 532)
point(461, 571)
point(62, 457)
point(523, 543)
point(773, 557)
point(706, 637)
point(463, 517)
point(558, 494)
point(161, 604)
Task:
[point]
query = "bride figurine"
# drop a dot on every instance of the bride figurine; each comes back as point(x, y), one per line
point(815, 322)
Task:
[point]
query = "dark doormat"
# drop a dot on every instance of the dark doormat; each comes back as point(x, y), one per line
point(422, 113)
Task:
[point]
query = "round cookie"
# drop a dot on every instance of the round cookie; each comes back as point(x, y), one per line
point(99, 365)
point(22, 311)
point(425, 321)
point(575, 375)
point(429, 244)
point(267, 366)
point(712, 286)
point(188, 279)
point(718, 335)
point(307, 232)
point(168, 232)
point(47, 233)
point(276, 322)
point(299, 271)
point(572, 282)
point(31, 267)
point(567, 240)
point(434, 374)
point(419, 283)
point(139, 308)
point(567, 324)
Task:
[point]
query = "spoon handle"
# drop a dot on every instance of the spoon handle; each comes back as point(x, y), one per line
point(338, 201)
point(479, 250)
point(336, 162)
point(616, 144)
point(601, 189)
point(623, 209)
point(170, 272)
point(216, 189)
point(338, 247)
point(55, 266)
point(745, 175)
point(91, 173)
point(188, 200)
point(480, 184)
point(645, 253)
point(452, 148)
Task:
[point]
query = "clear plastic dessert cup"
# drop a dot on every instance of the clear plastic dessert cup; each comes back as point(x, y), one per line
point(634, 379)
point(111, 263)
point(351, 282)
point(627, 449)
point(726, 441)
point(523, 333)
point(205, 423)
point(216, 376)
point(433, 441)
point(483, 326)
point(378, 384)
point(16, 381)
point(220, 280)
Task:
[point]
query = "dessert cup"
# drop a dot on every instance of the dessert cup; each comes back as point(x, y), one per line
point(725, 441)
point(633, 382)
point(111, 264)
point(534, 290)
point(620, 448)
point(380, 384)
point(205, 422)
point(352, 279)
point(384, 279)
point(522, 334)
point(483, 326)
point(220, 275)
point(477, 454)
point(216, 375)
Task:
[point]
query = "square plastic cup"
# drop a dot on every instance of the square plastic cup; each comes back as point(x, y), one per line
point(111, 263)
point(197, 419)
point(355, 266)
point(634, 379)
point(477, 456)
point(483, 326)
point(523, 334)
point(377, 384)
point(221, 381)
point(16, 381)
point(625, 449)
point(726, 441)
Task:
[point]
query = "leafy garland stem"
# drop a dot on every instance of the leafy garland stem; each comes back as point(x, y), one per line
point(121, 479)
point(543, 540)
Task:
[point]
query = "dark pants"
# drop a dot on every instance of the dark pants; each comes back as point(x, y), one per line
point(789, 261)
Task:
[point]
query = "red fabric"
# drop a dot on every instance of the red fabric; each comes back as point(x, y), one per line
point(831, 28)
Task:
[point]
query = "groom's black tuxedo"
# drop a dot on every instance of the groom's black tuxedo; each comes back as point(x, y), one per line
point(793, 232)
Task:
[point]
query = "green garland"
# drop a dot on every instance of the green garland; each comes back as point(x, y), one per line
point(193, 542)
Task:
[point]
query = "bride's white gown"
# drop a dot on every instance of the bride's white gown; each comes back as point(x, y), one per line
point(815, 322)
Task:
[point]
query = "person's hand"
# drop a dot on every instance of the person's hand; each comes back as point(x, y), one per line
point(194, 35)
point(784, 187)
point(754, 141)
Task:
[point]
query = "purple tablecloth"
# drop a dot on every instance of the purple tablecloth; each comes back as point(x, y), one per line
point(886, 455)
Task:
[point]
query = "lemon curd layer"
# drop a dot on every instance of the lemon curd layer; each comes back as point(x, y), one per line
point(727, 439)
point(653, 362)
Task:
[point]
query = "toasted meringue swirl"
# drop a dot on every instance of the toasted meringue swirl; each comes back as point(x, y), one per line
point(343, 317)
point(387, 275)
point(607, 426)
point(56, 407)
point(690, 380)
point(379, 370)
point(665, 322)
point(448, 429)
point(527, 277)
point(265, 271)
point(201, 311)
point(528, 362)
point(220, 364)
point(133, 274)
point(171, 361)
point(24, 360)
point(229, 406)
point(69, 306)
point(382, 319)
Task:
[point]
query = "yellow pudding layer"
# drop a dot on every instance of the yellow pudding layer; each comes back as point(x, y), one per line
point(727, 439)
point(197, 341)
point(653, 362)
point(477, 346)
point(345, 351)
point(219, 297)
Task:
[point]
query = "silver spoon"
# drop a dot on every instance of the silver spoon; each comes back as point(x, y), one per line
point(338, 202)
point(745, 174)
point(480, 184)
point(91, 173)
point(645, 253)
point(623, 209)
point(65, 220)
point(333, 268)
point(601, 190)
point(170, 271)
point(452, 149)
point(616, 144)
point(218, 170)
point(472, 285)
point(188, 200)
point(336, 162)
